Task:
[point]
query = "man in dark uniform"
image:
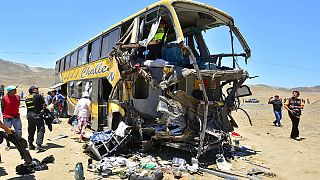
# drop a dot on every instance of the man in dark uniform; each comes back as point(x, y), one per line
point(277, 109)
point(35, 104)
point(294, 106)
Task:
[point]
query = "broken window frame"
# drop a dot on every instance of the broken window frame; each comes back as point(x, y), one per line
point(157, 9)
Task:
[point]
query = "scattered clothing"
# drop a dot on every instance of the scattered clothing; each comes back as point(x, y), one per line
point(34, 165)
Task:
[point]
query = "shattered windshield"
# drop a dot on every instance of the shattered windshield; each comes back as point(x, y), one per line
point(211, 39)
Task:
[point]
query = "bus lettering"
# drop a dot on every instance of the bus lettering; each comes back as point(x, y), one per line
point(98, 69)
point(111, 76)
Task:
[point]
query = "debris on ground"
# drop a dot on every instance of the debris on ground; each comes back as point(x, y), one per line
point(35, 165)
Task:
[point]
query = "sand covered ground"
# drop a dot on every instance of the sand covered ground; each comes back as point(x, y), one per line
point(287, 158)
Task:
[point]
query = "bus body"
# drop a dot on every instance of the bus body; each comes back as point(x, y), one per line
point(182, 89)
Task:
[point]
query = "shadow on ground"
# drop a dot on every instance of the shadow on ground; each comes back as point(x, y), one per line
point(24, 177)
point(53, 145)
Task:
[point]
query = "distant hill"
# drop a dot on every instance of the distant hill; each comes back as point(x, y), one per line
point(302, 89)
point(22, 74)
point(308, 89)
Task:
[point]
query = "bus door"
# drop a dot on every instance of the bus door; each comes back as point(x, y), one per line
point(101, 89)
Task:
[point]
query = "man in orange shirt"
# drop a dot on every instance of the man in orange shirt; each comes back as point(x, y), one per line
point(294, 106)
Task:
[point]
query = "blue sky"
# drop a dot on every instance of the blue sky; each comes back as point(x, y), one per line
point(283, 35)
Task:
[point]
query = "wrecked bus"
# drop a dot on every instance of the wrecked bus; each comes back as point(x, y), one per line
point(154, 72)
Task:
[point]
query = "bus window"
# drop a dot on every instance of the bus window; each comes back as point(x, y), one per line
point(57, 68)
point(88, 87)
point(114, 38)
point(105, 46)
point(165, 32)
point(62, 63)
point(78, 89)
point(89, 52)
point(152, 16)
point(82, 56)
point(74, 57)
point(109, 41)
point(67, 63)
point(95, 52)
point(71, 89)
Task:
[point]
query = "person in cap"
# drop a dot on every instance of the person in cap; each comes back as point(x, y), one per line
point(277, 109)
point(10, 107)
point(83, 113)
point(35, 104)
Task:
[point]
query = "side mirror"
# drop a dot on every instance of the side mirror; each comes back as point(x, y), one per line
point(243, 91)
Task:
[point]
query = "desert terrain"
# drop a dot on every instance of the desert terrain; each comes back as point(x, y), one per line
point(23, 75)
point(287, 158)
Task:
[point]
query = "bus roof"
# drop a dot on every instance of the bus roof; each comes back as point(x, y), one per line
point(166, 3)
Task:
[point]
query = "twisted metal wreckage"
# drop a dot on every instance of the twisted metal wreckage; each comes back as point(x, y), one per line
point(203, 120)
point(179, 104)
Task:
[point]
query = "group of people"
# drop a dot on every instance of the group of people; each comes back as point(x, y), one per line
point(57, 102)
point(35, 103)
point(294, 105)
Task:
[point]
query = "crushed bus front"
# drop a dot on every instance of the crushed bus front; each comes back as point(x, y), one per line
point(178, 98)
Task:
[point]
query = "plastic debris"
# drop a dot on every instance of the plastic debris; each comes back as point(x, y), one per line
point(222, 164)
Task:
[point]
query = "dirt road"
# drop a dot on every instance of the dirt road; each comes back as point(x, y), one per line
point(287, 158)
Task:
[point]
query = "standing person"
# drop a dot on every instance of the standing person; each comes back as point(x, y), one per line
point(35, 104)
point(83, 112)
point(49, 98)
point(21, 94)
point(1, 91)
point(294, 106)
point(10, 107)
point(277, 109)
point(58, 101)
point(53, 105)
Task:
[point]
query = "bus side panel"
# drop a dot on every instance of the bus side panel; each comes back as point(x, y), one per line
point(95, 116)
